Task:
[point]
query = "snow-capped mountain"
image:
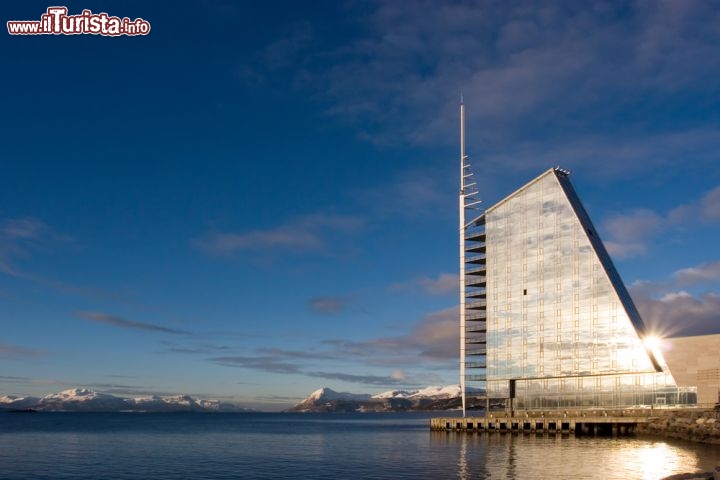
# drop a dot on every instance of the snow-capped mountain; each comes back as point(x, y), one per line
point(326, 394)
point(430, 398)
point(84, 400)
point(11, 401)
point(450, 391)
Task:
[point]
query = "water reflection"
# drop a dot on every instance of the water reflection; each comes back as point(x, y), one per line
point(463, 464)
point(507, 456)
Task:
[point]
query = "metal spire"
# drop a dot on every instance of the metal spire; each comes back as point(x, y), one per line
point(462, 252)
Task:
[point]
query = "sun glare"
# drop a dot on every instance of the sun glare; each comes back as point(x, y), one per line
point(651, 343)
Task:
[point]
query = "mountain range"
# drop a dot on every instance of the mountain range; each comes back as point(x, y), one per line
point(430, 398)
point(84, 400)
point(322, 400)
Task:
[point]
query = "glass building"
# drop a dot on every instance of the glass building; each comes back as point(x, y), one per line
point(546, 321)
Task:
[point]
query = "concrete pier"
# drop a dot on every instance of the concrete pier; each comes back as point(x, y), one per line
point(577, 423)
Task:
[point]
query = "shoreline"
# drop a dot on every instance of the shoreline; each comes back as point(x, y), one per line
point(700, 426)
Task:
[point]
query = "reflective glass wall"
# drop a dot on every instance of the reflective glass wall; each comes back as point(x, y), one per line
point(556, 323)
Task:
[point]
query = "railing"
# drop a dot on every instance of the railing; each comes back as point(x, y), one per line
point(475, 281)
point(595, 411)
point(477, 351)
point(477, 304)
point(475, 259)
point(480, 331)
point(475, 294)
point(475, 341)
point(476, 271)
point(475, 365)
point(480, 315)
point(475, 236)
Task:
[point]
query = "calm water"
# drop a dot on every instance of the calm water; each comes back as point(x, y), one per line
point(315, 446)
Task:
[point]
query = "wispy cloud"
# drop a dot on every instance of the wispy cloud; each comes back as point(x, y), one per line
point(276, 360)
point(629, 233)
point(710, 205)
point(20, 238)
point(668, 308)
point(363, 379)
point(434, 338)
point(295, 363)
point(608, 155)
point(203, 349)
point(416, 194)
point(437, 335)
point(130, 390)
point(443, 284)
point(680, 313)
point(8, 351)
point(707, 272)
point(24, 229)
point(328, 304)
point(308, 233)
point(281, 54)
point(707, 209)
point(267, 363)
point(116, 321)
point(297, 354)
point(536, 79)
point(13, 378)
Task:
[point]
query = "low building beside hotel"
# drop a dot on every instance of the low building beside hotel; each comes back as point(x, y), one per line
point(695, 362)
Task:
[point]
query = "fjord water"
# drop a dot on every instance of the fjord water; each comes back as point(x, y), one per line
point(315, 446)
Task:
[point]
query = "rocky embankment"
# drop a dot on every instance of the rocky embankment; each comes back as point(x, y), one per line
point(693, 425)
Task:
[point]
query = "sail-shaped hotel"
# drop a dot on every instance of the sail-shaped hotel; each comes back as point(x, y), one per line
point(545, 320)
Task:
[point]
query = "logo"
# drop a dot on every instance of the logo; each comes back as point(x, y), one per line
point(56, 21)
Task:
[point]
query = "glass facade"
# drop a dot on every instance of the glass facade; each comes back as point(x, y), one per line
point(561, 329)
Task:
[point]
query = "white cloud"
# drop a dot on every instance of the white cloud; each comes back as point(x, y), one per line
point(522, 67)
point(21, 239)
point(434, 337)
point(624, 250)
point(443, 284)
point(633, 225)
point(680, 314)
point(302, 234)
point(399, 375)
point(438, 334)
point(23, 228)
point(707, 272)
point(328, 304)
point(668, 308)
point(417, 194)
point(673, 296)
point(8, 351)
point(710, 205)
point(629, 233)
point(99, 317)
point(281, 237)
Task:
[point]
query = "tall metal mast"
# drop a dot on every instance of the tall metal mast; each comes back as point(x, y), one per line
point(462, 252)
point(473, 281)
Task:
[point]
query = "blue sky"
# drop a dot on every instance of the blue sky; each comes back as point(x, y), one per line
point(257, 200)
